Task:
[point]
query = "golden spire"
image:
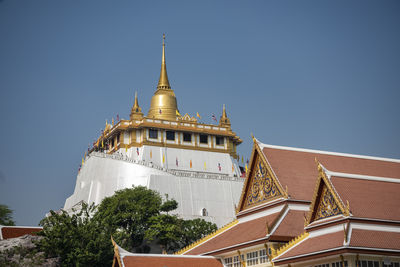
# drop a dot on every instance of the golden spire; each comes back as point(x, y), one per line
point(163, 82)
point(224, 121)
point(163, 103)
point(136, 111)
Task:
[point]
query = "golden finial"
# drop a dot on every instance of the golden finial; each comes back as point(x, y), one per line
point(163, 82)
point(224, 121)
point(136, 111)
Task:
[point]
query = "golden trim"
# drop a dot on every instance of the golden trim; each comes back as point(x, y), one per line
point(291, 243)
point(257, 151)
point(240, 258)
point(322, 178)
point(204, 239)
point(116, 251)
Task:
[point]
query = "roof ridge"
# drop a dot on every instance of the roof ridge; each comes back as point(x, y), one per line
point(328, 152)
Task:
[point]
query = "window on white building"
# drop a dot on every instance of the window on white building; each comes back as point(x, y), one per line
point(170, 135)
point(219, 140)
point(228, 262)
point(153, 134)
point(367, 263)
point(252, 258)
point(263, 256)
point(392, 264)
point(187, 137)
point(237, 262)
point(203, 139)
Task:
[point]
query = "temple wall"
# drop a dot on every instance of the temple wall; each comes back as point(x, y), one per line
point(102, 175)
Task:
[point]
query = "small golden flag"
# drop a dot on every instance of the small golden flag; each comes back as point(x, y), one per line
point(177, 113)
point(163, 158)
point(83, 161)
point(190, 163)
point(245, 167)
point(102, 143)
point(205, 166)
point(151, 154)
point(112, 121)
point(198, 115)
point(126, 149)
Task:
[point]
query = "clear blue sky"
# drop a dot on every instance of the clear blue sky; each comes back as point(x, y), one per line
point(314, 74)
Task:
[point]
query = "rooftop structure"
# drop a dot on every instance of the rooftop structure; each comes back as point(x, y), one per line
point(191, 161)
point(302, 207)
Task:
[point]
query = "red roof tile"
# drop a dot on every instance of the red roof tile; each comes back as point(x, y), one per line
point(297, 169)
point(240, 233)
point(370, 199)
point(375, 239)
point(315, 244)
point(17, 231)
point(292, 225)
point(168, 261)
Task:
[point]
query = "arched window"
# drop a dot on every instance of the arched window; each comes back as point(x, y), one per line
point(204, 212)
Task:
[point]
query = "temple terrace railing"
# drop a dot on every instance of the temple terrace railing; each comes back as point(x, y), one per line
point(181, 173)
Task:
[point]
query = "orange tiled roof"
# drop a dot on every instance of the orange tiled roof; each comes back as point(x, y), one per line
point(292, 225)
point(167, 261)
point(297, 169)
point(240, 233)
point(370, 199)
point(375, 239)
point(17, 231)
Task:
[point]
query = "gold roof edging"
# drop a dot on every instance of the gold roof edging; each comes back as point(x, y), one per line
point(322, 178)
point(284, 193)
point(204, 239)
point(291, 243)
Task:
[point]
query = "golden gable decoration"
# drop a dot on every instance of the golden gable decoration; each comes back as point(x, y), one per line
point(262, 187)
point(326, 202)
point(261, 184)
point(327, 206)
point(187, 117)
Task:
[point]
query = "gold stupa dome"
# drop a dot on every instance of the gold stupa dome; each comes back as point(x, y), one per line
point(163, 103)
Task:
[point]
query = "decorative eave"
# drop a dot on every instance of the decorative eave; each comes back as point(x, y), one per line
point(323, 178)
point(117, 256)
point(290, 244)
point(194, 127)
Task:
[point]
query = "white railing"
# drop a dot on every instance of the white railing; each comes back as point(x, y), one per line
point(181, 173)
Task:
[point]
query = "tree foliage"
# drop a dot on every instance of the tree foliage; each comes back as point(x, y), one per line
point(75, 239)
point(6, 215)
point(133, 217)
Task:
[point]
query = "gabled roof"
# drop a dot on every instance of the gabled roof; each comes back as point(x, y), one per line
point(351, 213)
point(237, 235)
point(292, 165)
point(123, 258)
point(279, 226)
point(370, 198)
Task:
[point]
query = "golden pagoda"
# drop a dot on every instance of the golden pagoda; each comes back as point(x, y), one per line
point(168, 152)
point(165, 127)
point(163, 103)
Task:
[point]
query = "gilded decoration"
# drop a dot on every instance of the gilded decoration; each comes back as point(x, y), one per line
point(327, 206)
point(262, 186)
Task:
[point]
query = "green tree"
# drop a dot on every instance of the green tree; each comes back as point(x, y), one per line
point(195, 229)
point(133, 217)
point(6, 215)
point(173, 233)
point(75, 239)
point(126, 215)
